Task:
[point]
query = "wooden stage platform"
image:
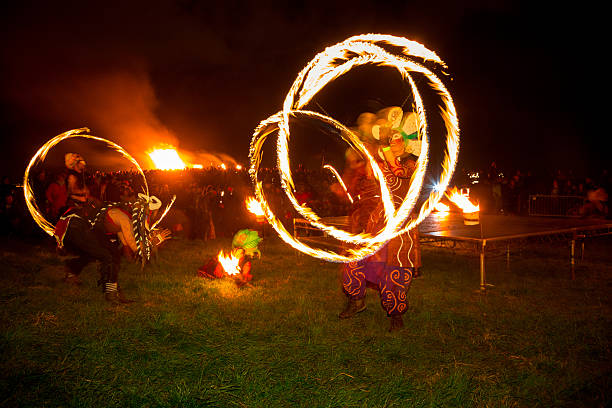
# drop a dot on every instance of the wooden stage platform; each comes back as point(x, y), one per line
point(491, 231)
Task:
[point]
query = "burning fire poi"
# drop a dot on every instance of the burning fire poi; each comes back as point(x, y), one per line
point(324, 68)
point(40, 155)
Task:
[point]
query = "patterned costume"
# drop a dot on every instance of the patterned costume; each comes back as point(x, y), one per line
point(392, 137)
point(392, 267)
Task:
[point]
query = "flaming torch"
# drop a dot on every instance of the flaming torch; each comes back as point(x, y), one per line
point(229, 263)
point(470, 211)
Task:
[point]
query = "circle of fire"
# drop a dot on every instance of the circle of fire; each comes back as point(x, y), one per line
point(40, 156)
point(324, 68)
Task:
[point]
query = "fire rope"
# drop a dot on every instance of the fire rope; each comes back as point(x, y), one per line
point(328, 65)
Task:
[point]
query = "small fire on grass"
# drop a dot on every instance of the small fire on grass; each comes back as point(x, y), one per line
point(229, 263)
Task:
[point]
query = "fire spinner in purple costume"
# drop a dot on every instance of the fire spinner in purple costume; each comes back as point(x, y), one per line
point(393, 137)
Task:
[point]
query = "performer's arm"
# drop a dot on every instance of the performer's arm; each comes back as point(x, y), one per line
point(126, 235)
point(401, 168)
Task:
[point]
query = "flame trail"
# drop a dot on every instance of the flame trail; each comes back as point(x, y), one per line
point(441, 207)
point(328, 65)
point(40, 155)
point(164, 213)
point(335, 173)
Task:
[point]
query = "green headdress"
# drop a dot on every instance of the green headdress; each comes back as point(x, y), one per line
point(248, 240)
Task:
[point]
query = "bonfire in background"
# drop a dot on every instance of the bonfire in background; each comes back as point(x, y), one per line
point(167, 159)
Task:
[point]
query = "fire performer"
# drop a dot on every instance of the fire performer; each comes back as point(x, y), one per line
point(73, 232)
point(392, 137)
point(244, 250)
point(119, 219)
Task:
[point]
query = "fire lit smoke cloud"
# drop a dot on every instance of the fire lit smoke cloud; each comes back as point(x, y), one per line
point(118, 105)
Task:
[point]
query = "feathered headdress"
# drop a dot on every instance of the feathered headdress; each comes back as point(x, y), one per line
point(248, 240)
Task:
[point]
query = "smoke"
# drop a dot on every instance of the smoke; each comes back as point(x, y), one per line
point(117, 105)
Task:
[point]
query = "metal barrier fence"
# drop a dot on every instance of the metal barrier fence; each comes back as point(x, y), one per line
point(555, 206)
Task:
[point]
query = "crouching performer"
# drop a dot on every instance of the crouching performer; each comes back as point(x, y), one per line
point(239, 264)
point(128, 223)
point(74, 234)
point(391, 137)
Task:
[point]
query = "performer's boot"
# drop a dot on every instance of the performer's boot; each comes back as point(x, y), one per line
point(352, 308)
point(396, 323)
point(114, 295)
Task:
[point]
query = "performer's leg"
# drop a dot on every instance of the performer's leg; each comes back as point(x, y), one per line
point(394, 287)
point(109, 271)
point(78, 242)
point(73, 268)
point(354, 279)
point(354, 286)
point(355, 276)
point(95, 246)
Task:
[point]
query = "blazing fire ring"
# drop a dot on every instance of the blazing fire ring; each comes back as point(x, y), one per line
point(40, 155)
point(328, 65)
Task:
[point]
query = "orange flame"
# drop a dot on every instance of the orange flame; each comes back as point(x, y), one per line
point(462, 201)
point(229, 263)
point(254, 206)
point(441, 207)
point(167, 159)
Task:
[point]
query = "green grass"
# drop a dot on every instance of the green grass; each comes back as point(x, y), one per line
point(534, 339)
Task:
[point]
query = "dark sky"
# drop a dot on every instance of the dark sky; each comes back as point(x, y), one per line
point(202, 75)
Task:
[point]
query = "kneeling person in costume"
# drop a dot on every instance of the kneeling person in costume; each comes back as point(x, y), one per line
point(244, 249)
point(392, 137)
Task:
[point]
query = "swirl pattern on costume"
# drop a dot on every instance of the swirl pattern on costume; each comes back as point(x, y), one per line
point(397, 277)
point(337, 60)
point(354, 274)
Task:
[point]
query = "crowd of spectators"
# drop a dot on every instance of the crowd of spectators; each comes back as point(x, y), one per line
point(503, 192)
point(210, 203)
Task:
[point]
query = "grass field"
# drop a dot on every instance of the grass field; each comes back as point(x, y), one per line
point(534, 339)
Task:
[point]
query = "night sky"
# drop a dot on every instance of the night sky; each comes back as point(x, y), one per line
point(201, 75)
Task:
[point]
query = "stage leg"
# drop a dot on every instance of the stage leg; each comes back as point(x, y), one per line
point(508, 256)
point(483, 281)
point(573, 257)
